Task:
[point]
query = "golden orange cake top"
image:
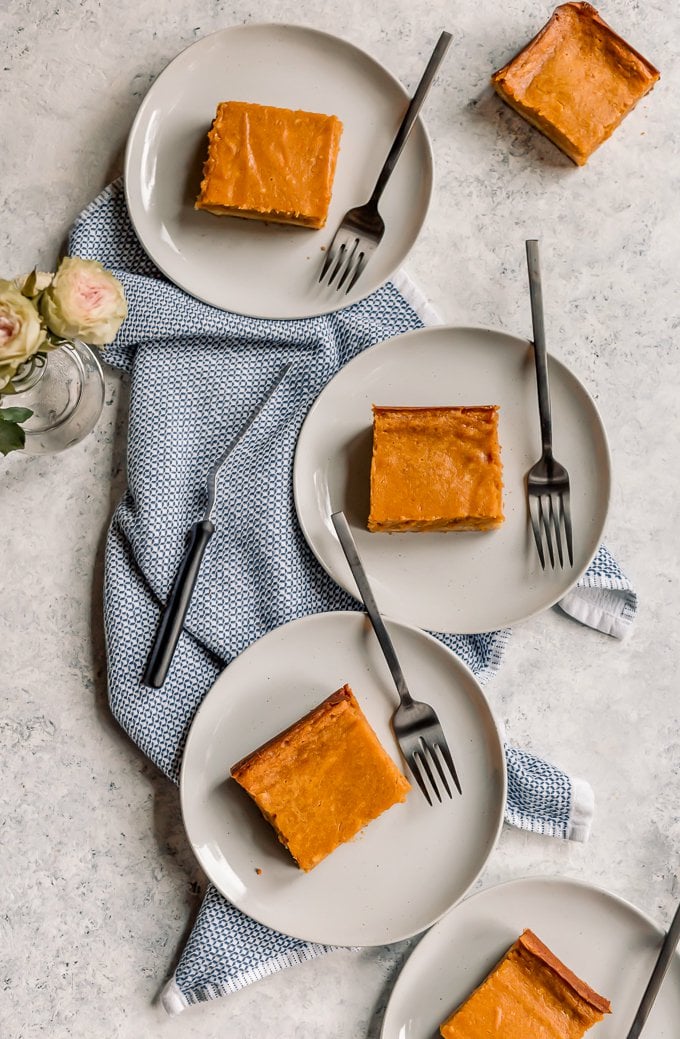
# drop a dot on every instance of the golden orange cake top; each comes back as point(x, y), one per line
point(269, 163)
point(323, 779)
point(576, 80)
point(530, 994)
point(435, 468)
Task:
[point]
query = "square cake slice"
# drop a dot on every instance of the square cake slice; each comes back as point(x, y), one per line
point(576, 80)
point(323, 779)
point(530, 994)
point(268, 163)
point(435, 469)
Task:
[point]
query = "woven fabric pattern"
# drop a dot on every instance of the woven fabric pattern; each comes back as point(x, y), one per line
point(197, 375)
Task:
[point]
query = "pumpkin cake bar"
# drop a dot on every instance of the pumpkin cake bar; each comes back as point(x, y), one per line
point(268, 163)
point(323, 779)
point(530, 994)
point(435, 469)
point(576, 80)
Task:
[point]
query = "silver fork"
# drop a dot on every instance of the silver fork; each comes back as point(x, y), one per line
point(362, 228)
point(416, 726)
point(547, 480)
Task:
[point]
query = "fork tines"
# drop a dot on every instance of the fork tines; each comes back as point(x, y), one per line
point(420, 759)
point(550, 514)
point(347, 257)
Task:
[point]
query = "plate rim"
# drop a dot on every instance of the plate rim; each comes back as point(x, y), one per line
point(350, 587)
point(135, 129)
point(499, 750)
point(549, 880)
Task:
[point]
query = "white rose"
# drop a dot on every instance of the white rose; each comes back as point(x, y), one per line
point(84, 301)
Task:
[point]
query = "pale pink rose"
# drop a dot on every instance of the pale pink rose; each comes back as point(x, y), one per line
point(84, 301)
point(21, 330)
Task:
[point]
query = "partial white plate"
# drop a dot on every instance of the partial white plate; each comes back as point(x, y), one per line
point(269, 270)
point(605, 940)
point(408, 866)
point(452, 582)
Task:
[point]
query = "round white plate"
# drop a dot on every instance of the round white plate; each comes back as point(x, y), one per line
point(270, 270)
point(406, 868)
point(606, 941)
point(453, 582)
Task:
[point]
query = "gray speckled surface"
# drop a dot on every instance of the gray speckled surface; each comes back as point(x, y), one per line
point(99, 885)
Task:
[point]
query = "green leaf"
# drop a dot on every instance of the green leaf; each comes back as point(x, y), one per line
point(15, 414)
point(12, 437)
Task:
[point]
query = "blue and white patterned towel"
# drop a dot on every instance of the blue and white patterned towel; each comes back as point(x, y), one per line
point(197, 374)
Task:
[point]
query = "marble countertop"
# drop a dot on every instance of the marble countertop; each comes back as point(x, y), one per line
point(100, 887)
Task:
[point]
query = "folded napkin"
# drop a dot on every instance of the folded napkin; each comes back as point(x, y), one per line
point(197, 375)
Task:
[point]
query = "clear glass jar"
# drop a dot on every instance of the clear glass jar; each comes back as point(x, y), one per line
point(64, 388)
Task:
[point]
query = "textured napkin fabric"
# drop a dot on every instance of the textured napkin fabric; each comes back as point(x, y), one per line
point(197, 375)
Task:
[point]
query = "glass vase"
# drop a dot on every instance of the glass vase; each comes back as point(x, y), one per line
point(64, 388)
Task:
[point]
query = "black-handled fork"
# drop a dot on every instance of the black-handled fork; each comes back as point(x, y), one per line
point(174, 614)
point(198, 536)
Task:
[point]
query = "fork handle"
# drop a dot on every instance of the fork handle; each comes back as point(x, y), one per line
point(415, 104)
point(661, 966)
point(172, 618)
point(350, 549)
point(540, 350)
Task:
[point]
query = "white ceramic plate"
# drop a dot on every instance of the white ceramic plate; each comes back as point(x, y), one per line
point(454, 582)
point(606, 941)
point(408, 866)
point(269, 270)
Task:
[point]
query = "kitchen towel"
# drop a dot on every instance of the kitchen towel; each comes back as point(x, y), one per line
point(197, 373)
